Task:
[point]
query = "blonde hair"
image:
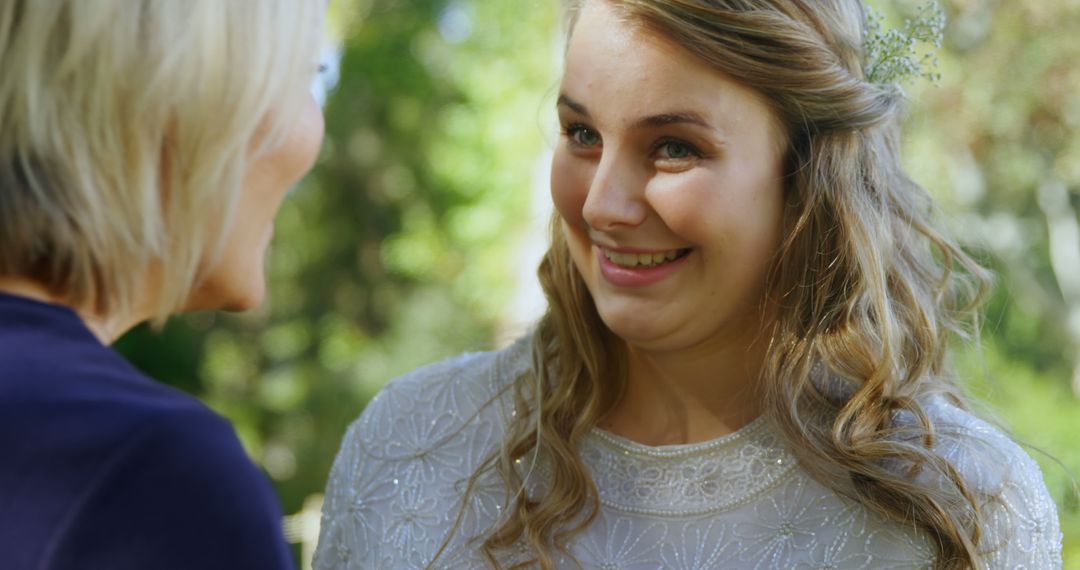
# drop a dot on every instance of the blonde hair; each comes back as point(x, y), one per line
point(126, 127)
point(869, 294)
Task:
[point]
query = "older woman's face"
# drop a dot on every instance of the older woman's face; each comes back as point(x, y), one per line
point(668, 183)
point(237, 281)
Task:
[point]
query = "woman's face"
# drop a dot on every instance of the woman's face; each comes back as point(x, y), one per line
point(668, 183)
point(237, 281)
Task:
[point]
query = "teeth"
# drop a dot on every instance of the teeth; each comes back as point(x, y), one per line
point(645, 260)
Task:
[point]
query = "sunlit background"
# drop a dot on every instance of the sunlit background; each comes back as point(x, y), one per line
point(418, 233)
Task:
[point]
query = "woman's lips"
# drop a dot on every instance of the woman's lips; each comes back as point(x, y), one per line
point(645, 259)
point(639, 268)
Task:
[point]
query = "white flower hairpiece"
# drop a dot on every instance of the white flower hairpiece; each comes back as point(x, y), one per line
point(891, 56)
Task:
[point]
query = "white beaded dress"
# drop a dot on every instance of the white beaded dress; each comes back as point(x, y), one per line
point(740, 501)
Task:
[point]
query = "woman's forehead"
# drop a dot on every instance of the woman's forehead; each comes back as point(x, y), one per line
point(625, 73)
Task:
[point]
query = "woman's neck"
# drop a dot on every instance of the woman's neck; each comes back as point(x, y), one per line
point(107, 328)
point(689, 396)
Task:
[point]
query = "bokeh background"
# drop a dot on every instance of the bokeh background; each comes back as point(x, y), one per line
point(417, 235)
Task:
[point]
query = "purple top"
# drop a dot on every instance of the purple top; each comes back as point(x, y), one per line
point(101, 467)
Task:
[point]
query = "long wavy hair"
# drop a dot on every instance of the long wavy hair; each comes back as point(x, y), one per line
point(869, 294)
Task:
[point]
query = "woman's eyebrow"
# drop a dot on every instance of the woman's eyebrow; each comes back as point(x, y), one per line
point(565, 101)
point(675, 118)
point(651, 121)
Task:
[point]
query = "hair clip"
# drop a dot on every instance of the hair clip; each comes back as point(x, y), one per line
point(891, 55)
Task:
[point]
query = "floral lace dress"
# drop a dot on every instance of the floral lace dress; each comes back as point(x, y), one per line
point(740, 501)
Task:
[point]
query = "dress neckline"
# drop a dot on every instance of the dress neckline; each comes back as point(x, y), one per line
point(630, 446)
point(687, 479)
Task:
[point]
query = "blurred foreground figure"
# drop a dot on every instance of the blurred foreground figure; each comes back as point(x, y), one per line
point(744, 361)
point(145, 147)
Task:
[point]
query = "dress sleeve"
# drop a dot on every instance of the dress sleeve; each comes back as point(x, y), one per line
point(181, 494)
point(348, 535)
point(365, 484)
point(394, 496)
point(1020, 527)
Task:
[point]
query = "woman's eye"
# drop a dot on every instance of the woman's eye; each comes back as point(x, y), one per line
point(583, 136)
point(676, 150)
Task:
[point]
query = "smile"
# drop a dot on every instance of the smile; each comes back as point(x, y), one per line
point(644, 260)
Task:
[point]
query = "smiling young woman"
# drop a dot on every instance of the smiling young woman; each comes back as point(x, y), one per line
point(743, 364)
point(669, 186)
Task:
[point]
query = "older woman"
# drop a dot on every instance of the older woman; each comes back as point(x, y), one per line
point(744, 360)
point(145, 148)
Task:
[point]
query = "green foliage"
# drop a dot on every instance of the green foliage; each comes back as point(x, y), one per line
point(998, 142)
point(1042, 416)
point(892, 55)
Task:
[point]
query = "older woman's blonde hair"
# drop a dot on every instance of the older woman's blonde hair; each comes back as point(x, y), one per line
point(126, 127)
point(869, 293)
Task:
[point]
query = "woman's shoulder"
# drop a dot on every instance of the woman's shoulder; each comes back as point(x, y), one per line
point(183, 478)
point(413, 450)
point(1020, 522)
point(456, 407)
point(983, 454)
point(89, 406)
point(161, 469)
point(446, 395)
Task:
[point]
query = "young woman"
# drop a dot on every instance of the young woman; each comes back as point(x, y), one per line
point(144, 150)
point(744, 360)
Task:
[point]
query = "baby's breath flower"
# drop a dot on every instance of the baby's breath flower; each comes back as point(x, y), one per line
point(891, 55)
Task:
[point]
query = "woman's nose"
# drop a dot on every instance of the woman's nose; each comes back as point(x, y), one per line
point(616, 195)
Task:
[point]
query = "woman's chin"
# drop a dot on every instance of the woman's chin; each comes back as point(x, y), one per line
point(223, 298)
point(246, 300)
point(241, 305)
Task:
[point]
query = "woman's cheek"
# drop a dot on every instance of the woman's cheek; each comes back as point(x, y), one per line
point(570, 180)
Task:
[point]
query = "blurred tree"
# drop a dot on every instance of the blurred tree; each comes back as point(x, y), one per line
point(1000, 139)
point(998, 143)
